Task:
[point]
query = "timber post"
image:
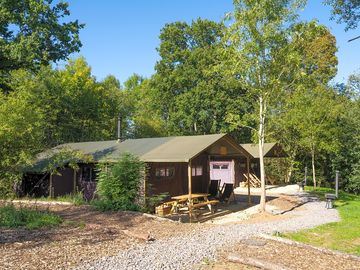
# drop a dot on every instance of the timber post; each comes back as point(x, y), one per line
point(74, 181)
point(248, 179)
point(51, 189)
point(190, 189)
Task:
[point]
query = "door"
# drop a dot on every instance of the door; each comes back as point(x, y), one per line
point(223, 170)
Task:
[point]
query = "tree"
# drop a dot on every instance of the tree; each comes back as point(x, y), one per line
point(20, 136)
point(259, 33)
point(348, 157)
point(54, 107)
point(318, 65)
point(145, 117)
point(74, 105)
point(314, 124)
point(33, 33)
point(345, 11)
point(192, 96)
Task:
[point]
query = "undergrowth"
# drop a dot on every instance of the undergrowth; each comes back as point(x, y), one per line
point(13, 217)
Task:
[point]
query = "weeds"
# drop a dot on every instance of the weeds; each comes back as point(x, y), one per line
point(12, 217)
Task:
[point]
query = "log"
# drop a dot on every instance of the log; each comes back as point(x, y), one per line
point(262, 264)
point(142, 236)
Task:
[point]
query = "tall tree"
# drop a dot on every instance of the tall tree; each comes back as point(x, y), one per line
point(193, 97)
point(318, 65)
point(33, 33)
point(314, 124)
point(145, 118)
point(20, 134)
point(259, 33)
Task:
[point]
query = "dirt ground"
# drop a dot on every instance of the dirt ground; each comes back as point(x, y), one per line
point(85, 235)
point(278, 255)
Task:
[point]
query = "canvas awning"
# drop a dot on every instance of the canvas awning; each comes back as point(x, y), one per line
point(270, 150)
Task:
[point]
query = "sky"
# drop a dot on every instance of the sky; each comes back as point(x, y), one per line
point(120, 37)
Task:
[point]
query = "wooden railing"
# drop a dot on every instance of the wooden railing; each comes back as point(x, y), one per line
point(253, 179)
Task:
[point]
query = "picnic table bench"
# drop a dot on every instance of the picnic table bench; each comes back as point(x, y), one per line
point(193, 201)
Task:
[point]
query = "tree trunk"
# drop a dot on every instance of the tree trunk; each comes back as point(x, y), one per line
point(261, 133)
point(313, 166)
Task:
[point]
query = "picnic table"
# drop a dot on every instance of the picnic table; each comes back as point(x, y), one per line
point(195, 200)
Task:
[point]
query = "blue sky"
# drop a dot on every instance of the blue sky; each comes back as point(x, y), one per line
point(120, 37)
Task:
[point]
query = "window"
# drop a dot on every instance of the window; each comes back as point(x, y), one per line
point(220, 166)
point(197, 171)
point(167, 172)
point(87, 174)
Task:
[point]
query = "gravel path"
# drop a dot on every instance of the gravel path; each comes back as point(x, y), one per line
point(186, 251)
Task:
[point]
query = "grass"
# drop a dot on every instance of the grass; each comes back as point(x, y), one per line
point(12, 217)
point(76, 199)
point(344, 235)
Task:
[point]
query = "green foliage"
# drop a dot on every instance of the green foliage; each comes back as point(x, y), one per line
point(53, 161)
point(20, 136)
point(345, 11)
point(74, 198)
point(145, 117)
point(343, 235)
point(119, 184)
point(12, 217)
point(34, 33)
point(353, 185)
point(153, 201)
point(54, 107)
point(192, 95)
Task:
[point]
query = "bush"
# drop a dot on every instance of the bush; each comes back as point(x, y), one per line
point(119, 185)
point(13, 217)
point(8, 184)
point(353, 185)
point(153, 201)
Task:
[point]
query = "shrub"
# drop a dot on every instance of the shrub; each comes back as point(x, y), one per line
point(8, 184)
point(153, 201)
point(119, 185)
point(13, 217)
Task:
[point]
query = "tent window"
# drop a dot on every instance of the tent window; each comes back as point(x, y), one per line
point(87, 174)
point(220, 166)
point(197, 171)
point(165, 172)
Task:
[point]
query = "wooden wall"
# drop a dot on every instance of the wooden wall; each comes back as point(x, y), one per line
point(178, 184)
point(175, 185)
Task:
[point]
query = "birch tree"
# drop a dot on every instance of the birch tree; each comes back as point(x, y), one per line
point(259, 32)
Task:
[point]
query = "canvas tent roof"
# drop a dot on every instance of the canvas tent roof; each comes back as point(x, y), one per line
point(163, 149)
point(270, 150)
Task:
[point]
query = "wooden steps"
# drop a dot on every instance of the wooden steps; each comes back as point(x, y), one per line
point(254, 180)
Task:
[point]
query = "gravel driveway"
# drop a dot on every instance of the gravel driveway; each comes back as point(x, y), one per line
point(189, 250)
